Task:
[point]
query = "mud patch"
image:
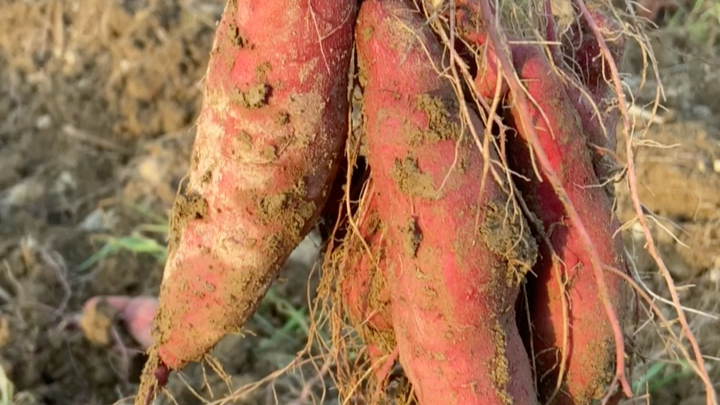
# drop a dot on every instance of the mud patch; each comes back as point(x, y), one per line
point(187, 207)
point(254, 97)
point(413, 182)
point(508, 236)
point(500, 367)
point(291, 208)
point(441, 125)
point(411, 237)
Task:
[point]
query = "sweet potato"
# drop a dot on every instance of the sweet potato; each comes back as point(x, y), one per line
point(583, 59)
point(135, 313)
point(578, 138)
point(455, 256)
point(589, 357)
point(586, 77)
point(269, 139)
point(583, 315)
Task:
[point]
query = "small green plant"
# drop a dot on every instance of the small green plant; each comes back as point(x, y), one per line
point(297, 319)
point(138, 242)
point(701, 22)
point(657, 376)
point(135, 243)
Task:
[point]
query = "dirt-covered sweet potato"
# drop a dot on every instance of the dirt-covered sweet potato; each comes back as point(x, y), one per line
point(565, 298)
point(269, 139)
point(455, 254)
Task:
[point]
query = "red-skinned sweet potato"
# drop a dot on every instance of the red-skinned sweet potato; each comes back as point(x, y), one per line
point(573, 148)
point(590, 355)
point(583, 60)
point(586, 77)
point(269, 139)
point(136, 314)
point(453, 252)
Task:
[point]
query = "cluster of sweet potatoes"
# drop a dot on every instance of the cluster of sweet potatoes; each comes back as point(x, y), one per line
point(458, 213)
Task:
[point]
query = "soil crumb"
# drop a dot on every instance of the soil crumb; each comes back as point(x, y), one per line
point(412, 237)
point(254, 97)
point(96, 322)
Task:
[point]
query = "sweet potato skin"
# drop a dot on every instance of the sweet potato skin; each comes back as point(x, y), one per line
point(453, 291)
point(365, 292)
point(591, 351)
point(367, 298)
point(269, 137)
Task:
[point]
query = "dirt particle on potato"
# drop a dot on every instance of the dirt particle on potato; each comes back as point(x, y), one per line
point(402, 38)
point(367, 33)
point(500, 369)
point(274, 244)
point(244, 141)
point(289, 207)
point(254, 97)
point(308, 70)
point(235, 36)
point(602, 365)
point(378, 284)
point(271, 206)
point(411, 237)
point(206, 177)
point(262, 70)
point(430, 292)
point(413, 182)
point(463, 164)
point(507, 234)
point(283, 118)
point(304, 131)
point(302, 213)
point(374, 224)
point(269, 152)
point(185, 209)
